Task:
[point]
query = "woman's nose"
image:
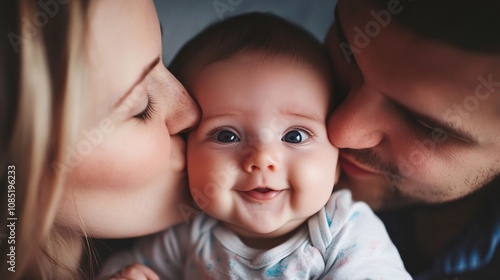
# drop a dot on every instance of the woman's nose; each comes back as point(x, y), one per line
point(358, 123)
point(182, 111)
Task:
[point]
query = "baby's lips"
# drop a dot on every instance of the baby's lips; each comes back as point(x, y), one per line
point(262, 193)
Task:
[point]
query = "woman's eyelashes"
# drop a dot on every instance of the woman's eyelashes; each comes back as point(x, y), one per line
point(147, 113)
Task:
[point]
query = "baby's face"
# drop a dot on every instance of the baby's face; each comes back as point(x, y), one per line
point(260, 159)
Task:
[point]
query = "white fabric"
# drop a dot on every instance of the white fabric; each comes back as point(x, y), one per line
point(344, 240)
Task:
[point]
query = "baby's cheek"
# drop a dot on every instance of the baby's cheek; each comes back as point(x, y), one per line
point(322, 166)
point(198, 168)
point(212, 174)
point(313, 179)
point(319, 177)
point(203, 183)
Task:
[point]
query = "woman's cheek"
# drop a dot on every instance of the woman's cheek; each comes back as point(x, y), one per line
point(124, 159)
point(130, 167)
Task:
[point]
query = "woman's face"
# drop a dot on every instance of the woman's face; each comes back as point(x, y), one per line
point(127, 170)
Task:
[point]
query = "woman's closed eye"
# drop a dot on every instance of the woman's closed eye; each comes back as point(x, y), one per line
point(147, 113)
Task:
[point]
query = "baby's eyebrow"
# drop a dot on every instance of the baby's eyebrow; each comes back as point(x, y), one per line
point(303, 115)
point(205, 117)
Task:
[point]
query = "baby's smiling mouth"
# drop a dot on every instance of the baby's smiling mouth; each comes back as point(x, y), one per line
point(262, 193)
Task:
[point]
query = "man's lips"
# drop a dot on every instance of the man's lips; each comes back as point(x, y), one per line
point(262, 193)
point(352, 168)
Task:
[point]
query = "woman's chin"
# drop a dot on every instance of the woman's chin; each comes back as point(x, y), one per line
point(177, 154)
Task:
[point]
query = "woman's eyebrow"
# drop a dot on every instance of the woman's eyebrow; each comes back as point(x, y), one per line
point(146, 71)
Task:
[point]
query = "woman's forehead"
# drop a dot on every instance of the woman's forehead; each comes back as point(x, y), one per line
point(123, 38)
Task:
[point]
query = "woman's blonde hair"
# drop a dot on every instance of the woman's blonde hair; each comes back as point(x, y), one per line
point(49, 46)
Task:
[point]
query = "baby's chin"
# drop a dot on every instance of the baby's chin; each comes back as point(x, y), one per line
point(267, 240)
point(256, 231)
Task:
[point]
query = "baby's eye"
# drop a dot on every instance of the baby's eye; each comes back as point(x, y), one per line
point(225, 136)
point(296, 136)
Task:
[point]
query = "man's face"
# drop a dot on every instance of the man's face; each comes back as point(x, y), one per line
point(420, 121)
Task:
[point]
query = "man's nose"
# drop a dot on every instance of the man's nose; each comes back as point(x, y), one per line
point(358, 123)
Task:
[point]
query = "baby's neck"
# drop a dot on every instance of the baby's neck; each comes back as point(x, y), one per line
point(266, 243)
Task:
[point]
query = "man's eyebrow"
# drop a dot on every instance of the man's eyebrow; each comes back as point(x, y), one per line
point(146, 71)
point(436, 123)
point(338, 24)
point(340, 32)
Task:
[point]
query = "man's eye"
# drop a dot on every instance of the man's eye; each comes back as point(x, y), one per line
point(296, 136)
point(435, 131)
point(225, 136)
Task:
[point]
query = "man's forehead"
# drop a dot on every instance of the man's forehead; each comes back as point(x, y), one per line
point(459, 87)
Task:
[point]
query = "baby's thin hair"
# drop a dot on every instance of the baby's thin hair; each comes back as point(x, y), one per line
point(256, 32)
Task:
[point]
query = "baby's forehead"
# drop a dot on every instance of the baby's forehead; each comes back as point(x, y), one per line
point(263, 58)
point(257, 84)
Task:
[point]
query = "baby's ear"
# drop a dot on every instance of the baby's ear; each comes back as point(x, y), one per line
point(337, 174)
